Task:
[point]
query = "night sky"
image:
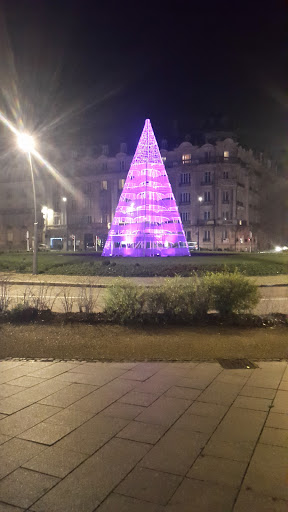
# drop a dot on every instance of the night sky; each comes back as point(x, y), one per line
point(90, 72)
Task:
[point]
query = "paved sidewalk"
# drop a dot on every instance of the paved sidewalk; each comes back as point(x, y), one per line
point(103, 281)
point(143, 437)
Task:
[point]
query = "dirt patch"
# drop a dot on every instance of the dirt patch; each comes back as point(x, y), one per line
point(113, 342)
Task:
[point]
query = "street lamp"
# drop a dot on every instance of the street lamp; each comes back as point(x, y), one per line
point(200, 199)
point(64, 199)
point(27, 145)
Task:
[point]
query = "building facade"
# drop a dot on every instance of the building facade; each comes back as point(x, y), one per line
point(218, 189)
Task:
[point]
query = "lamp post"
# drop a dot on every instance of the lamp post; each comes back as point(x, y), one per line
point(200, 199)
point(64, 199)
point(26, 144)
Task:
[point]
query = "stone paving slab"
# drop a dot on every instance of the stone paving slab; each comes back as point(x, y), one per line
point(145, 437)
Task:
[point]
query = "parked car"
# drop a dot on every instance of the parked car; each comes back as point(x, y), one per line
point(193, 246)
point(90, 245)
point(43, 247)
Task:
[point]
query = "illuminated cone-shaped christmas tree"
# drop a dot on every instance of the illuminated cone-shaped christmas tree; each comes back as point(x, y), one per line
point(146, 221)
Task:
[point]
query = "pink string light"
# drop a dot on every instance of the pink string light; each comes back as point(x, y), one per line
point(146, 221)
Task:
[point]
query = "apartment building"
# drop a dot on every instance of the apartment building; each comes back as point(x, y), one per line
point(217, 186)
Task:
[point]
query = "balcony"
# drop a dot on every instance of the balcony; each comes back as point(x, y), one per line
point(205, 222)
point(218, 159)
point(182, 184)
point(207, 183)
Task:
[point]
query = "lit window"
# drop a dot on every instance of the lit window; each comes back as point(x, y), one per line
point(226, 155)
point(104, 185)
point(163, 159)
point(240, 222)
point(121, 184)
point(186, 159)
point(9, 236)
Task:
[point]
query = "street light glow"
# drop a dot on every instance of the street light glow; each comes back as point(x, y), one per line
point(26, 142)
point(64, 199)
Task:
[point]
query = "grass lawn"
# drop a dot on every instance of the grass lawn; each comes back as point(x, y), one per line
point(113, 342)
point(89, 264)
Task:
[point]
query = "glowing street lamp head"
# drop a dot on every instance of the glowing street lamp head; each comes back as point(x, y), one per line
point(26, 142)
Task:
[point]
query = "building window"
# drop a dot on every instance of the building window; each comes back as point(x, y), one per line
point(185, 178)
point(56, 219)
point(122, 165)
point(186, 159)
point(9, 236)
point(188, 236)
point(240, 222)
point(87, 188)
point(225, 175)
point(185, 197)
point(89, 219)
point(225, 235)
point(184, 216)
point(104, 185)
point(207, 215)
point(87, 204)
point(121, 184)
point(207, 156)
point(73, 205)
point(207, 197)
point(225, 196)
point(226, 215)
point(206, 236)
point(207, 177)
point(226, 155)
point(104, 166)
point(164, 159)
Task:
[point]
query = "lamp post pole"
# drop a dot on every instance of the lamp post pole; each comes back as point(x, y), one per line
point(64, 199)
point(26, 144)
point(200, 199)
point(35, 246)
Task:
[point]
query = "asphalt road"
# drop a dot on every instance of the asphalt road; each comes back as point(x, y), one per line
point(274, 299)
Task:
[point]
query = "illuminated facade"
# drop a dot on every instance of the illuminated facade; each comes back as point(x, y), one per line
point(146, 221)
point(241, 208)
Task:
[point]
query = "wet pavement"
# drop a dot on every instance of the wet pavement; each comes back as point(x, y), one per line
point(145, 437)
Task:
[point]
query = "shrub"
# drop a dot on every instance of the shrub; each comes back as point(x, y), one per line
point(67, 300)
point(124, 302)
point(178, 299)
point(87, 300)
point(231, 293)
point(23, 314)
point(4, 295)
point(39, 297)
